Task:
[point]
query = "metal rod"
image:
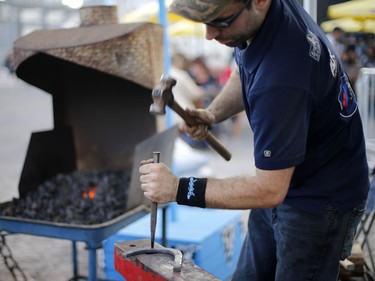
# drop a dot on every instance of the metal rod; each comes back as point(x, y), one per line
point(75, 260)
point(92, 263)
point(154, 207)
point(164, 227)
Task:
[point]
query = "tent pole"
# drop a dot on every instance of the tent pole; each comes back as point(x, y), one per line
point(163, 20)
point(311, 7)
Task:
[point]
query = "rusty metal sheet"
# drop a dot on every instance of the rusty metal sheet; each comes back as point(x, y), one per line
point(162, 142)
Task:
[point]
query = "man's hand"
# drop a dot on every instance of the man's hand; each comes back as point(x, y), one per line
point(158, 182)
point(205, 119)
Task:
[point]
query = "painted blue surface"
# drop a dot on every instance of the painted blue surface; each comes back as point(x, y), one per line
point(93, 235)
point(215, 237)
point(163, 20)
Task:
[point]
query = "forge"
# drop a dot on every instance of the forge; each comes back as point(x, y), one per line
point(100, 76)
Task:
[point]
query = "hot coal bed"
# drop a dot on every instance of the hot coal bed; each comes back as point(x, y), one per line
point(81, 197)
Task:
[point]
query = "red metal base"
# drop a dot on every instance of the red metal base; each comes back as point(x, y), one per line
point(155, 266)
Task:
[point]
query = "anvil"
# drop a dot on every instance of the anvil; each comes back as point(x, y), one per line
point(136, 261)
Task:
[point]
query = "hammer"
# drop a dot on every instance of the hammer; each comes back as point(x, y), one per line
point(162, 95)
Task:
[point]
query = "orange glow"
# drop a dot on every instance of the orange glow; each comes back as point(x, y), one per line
point(90, 193)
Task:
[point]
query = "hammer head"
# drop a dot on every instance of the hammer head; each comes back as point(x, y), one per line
point(162, 95)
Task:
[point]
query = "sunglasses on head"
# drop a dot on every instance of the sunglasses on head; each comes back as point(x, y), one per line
point(228, 20)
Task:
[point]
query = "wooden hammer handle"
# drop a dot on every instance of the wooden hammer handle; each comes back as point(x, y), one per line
point(210, 139)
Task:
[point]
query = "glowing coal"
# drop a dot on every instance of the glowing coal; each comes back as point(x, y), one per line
point(78, 198)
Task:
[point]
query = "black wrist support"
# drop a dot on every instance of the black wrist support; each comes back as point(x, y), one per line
point(191, 192)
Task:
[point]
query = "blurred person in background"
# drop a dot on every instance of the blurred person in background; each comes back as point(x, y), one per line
point(202, 75)
point(351, 63)
point(369, 58)
point(337, 40)
point(187, 93)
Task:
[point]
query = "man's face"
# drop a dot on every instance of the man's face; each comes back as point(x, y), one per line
point(244, 26)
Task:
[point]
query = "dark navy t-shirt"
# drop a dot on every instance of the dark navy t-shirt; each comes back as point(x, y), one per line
point(303, 111)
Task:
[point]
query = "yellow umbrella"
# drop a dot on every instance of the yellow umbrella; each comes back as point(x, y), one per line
point(369, 26)
point(346, 24)
point(149, 13)
point(178, 26)
point(187, 28)
point(358, 9)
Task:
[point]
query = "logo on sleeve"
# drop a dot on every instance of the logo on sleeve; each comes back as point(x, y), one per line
point(267, 153)
point(315, 49)
point(347, 98)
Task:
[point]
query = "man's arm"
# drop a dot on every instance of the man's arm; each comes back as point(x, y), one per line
point(229, 101)
point(263, 190)
point(226, 104)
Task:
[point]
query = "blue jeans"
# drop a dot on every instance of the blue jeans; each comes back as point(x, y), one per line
point(286, 244)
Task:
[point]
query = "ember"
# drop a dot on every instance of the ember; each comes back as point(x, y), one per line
point(90, 193)
point(76, 198)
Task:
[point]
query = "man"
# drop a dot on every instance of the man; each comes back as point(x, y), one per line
point(311, 181)
point(336, 38)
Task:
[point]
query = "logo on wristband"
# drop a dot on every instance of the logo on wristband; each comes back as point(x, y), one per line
point(191, 192)
point(191, 187)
